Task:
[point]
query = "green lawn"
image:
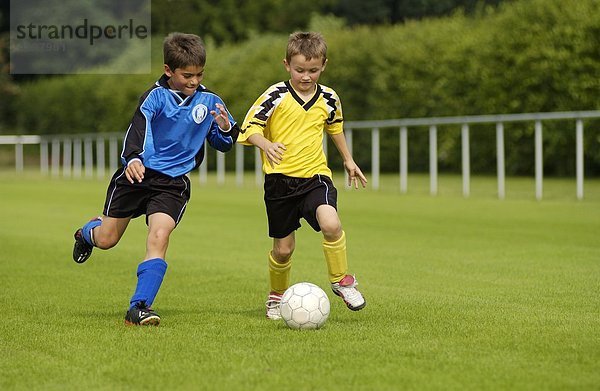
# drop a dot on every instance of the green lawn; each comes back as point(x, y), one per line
point(470, 294)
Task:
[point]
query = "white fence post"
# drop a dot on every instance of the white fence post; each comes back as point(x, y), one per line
point(258, 174)
point(67, 153)
point(500, 159)
point(539, 163)
point(403, 160)
point(77, 161)
point(55, 156)
point(19, 156)
point(350, 143)
point(44, 157)
point(204, 167)
point(100, 160)
point(113, 159)
point(220, 167)
point(239, 164)
point(579, 157)
point(466, 160)
point(375, 157)
point(433, 171)
point(88, 157)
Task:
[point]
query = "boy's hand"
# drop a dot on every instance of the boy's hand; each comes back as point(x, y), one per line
point(221, 117)
point(135, 171)
point(274, 153)
point(354, 174)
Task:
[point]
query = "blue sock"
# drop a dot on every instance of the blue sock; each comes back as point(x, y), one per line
point(150, 275)
point(86, 231)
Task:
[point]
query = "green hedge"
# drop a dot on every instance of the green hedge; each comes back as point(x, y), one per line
point(526, 56)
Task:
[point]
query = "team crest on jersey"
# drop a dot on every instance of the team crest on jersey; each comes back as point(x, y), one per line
point(199, 113)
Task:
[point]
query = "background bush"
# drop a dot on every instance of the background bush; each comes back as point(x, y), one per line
point(524, 56)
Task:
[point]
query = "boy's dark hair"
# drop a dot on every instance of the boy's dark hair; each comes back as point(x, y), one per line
point(309, 44)
point(181, 50)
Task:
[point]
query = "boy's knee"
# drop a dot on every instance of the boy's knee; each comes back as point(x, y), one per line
point(159, 235)
point(105, 241)
point(282, 253)
point(332, 229)
point(329, 222)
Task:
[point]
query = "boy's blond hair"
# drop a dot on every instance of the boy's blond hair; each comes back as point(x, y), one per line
point(181, 50)
point(309, 44)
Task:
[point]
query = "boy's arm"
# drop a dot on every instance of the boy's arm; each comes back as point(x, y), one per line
point(223, 139)
point(272, 150)
point(133, 144)
point(224, 131)
point(354, 173)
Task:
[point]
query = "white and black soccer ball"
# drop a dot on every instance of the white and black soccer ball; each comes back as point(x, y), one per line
point(304, 306)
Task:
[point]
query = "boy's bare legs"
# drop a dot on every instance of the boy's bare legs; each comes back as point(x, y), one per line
point(108, 234)
point(160, 226)
point(151, 271)
point(280, 261)
point(330, 224)
point(102, 232)
point(334, 249)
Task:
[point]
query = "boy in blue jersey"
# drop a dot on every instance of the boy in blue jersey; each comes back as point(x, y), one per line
point(164, 142)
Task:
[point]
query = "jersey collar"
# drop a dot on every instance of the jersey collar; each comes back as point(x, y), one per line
point(181, 97)
point(305, 105)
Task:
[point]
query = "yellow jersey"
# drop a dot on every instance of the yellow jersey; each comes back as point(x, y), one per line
point(280, 115)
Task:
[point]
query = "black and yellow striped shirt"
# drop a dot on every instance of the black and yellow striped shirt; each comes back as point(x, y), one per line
point(280, 115)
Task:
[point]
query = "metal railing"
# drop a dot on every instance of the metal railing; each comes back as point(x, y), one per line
point(465, 121)
point(73, 155)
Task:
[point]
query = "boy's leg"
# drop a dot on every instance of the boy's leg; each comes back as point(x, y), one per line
point(334, 249)
point(151, 271)
point(84, 244)
point(167, 198)
point(122, 199)
point(109, 232)
point(150, 274)
point(102, 232)
point(280, 262)
point(160, 226)
point(334, 242)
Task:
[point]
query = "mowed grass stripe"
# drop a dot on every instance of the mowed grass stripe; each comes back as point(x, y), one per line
point(462, 294)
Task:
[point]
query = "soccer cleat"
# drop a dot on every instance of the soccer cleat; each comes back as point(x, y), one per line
point(346, 289)
point(273, 305)
point(81, 250)
point(141, 315)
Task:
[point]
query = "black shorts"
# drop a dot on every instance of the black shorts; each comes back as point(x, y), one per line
point(288, 199)
point(156, 193)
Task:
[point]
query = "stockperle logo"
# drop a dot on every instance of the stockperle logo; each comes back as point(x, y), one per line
point(73, 36)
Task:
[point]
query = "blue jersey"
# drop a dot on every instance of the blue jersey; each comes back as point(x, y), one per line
point(168, 130)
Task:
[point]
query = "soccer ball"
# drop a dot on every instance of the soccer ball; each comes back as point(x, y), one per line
point(304, 306)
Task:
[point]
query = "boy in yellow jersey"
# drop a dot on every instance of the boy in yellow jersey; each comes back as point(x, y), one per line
point(287, 122)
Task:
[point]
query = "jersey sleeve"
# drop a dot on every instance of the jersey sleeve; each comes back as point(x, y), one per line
point(257, 118)
point(139, 128)
point(334, 124)
point(217, 138)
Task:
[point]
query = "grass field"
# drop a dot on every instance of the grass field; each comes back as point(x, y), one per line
point(462, 293)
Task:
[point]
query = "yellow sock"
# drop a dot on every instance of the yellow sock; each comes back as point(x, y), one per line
point(335, 255)
point(279, 274)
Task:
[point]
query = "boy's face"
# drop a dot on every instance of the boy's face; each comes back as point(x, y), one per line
point(305, 73)
point(185, 79)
